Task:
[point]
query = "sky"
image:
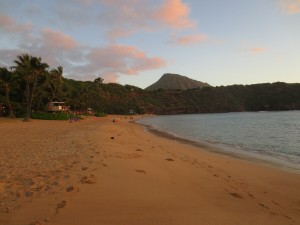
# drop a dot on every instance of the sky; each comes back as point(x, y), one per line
point(221, 42)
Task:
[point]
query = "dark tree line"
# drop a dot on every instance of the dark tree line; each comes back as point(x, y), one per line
point(30, 84)
point(235, 98)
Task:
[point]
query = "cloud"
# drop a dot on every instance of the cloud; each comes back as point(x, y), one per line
point(257, 50)
point(82, 60)
point(6, 21)
point(114, 60)
point(110, 78)
point(123, 18)
point(86, 63)
point(290, 6)
point(57, 40)
point(174, 13)
point(189, 39)
point(107, 77)
point(9, 25)
point(254, 50)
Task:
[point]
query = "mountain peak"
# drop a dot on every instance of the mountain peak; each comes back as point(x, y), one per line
point(170, 81)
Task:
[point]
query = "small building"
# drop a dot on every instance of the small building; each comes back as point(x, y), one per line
point(132, 112)
point(90, 111)
point(57, 107)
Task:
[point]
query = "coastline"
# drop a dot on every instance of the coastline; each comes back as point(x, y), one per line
point(236, 153)
point(99, 172)
point(232, 151)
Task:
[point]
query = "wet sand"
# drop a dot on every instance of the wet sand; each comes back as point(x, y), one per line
point(98, 172)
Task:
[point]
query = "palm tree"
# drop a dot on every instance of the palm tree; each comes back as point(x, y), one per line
point(30, 68)
point(6, 77)
point(41, 91)
point(55, 83)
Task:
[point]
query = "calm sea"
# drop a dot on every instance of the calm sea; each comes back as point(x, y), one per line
point(267, 136)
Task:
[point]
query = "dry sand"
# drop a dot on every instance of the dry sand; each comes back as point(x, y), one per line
point(95, 172)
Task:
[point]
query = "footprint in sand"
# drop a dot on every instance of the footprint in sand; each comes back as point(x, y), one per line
point(251, 196)
point(287, 217)
point(70, 188)
point(264, 206)
point(170, 159)
point(141, 171)
point(276, 203)
point(86, 180)
point(60, 205)
point(29, 194)
point(234, 194)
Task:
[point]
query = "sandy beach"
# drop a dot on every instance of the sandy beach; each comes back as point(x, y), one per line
point(97, 172)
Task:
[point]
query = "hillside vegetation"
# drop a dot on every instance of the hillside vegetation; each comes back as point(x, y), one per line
point(26, 89)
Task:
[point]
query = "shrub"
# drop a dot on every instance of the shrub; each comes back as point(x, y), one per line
point(100, 114)
point(50, 116)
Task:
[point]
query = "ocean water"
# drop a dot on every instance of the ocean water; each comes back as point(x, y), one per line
point(267, 136)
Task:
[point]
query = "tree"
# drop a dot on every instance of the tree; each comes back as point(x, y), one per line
point(6, 77)
point(55, 83)
point(30, 68)
point(42, 92)
point(99, 80)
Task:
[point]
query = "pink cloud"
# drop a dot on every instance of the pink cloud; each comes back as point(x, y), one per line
point(123, 18)
point(110, 77)
point(257, 50)
point(9, 25)
point(58, 40)
point(112, 61)
point(121, 59)
point(83, 62)
point(54, 47)
point(254, 50)
point(175, 14)
point(6, 21)
point(290, 6)
point(189, 39)
point(107, 77)
point(119, 32)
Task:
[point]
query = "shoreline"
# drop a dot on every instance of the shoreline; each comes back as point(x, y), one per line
point(99, 172)
point(232, 151)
